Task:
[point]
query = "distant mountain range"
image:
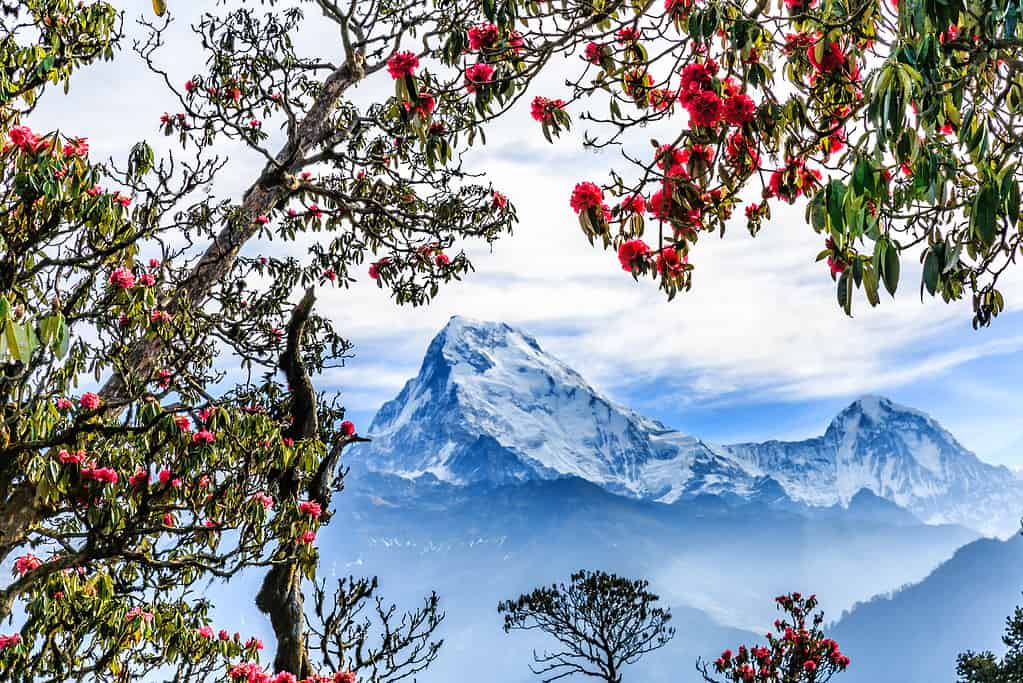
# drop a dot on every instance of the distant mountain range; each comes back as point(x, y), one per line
point(490, 408)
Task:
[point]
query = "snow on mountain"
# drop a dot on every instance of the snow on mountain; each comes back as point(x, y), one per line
point(489, 405)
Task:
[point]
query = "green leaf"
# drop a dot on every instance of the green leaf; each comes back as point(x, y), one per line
point(870, 286)
point(985, 211)
point(845, 286)
point(931, 271)
point(890, 269)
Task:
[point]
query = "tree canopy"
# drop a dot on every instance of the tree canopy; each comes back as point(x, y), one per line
point(602, 622)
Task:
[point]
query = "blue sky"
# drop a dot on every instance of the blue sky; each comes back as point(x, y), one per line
point(757, 350)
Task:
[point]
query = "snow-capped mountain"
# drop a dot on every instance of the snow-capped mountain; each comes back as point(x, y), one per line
point(490, 406)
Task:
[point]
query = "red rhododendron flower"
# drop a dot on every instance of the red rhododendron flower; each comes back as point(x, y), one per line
point(203, 436)
point(586, 195)
point(76, 458)
point(26, 563)
point(740, 154)
point(542, 108)
point(311, 508)
point(697, 152)
point(799, 5)
point(424, 106)
point(696, 78)
point(265, 500)
point(9, 641)
point(634, 203)
point(594, 53)
point(76, 148)
point(442, 260)
point(205, 632)
point(23, 138)
point(122, 277)
point(140, 477)
point(499, 201)
point(836, 265)
point(789, 183)
point(347, 428)
point(64, 404)
point(668, 260)
point(738, 109)
point(628, 34)
point(483, 36)
point(306, 538)
point(477, 75)
point(832, 59)
point(402, 64)
point(629, 251)
point(660, 205)
point(375, 268)
point(101, 474)
point(89, 401)
point(704, 109)
point(677, 9)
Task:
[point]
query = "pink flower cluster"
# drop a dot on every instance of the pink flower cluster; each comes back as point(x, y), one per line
point(264, 499)
point(104, 475)
point(138, 612)
point(14, 639)
point(311, 508)
point(76, 458)
point(543, 109)
point(402, 64)
point(251, 672)
point(26, 563)
point(477, 75)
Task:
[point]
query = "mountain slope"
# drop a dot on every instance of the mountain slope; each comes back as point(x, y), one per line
point(490, 406)
point(914, 635)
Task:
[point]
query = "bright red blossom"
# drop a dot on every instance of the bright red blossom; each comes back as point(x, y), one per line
point(26, 563)
point(122, 278)
point(483, 36)
point(738, 109)
point(704, 109)
point(586, 195)
point(311, 508)
point(630, 251)
point(542, 108)
point(402, 64)
point(477, 75)
point(593, 53)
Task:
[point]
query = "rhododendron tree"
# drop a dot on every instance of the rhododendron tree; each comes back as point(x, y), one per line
point(602, 623)
point(893, 124)
point(796, 652)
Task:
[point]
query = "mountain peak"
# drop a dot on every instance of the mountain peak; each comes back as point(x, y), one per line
point(490, 406)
